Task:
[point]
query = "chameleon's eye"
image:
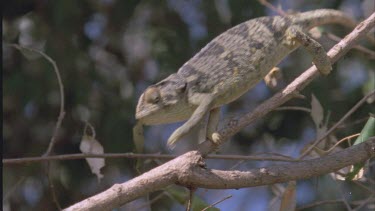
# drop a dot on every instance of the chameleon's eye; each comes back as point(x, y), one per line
point(152, 95)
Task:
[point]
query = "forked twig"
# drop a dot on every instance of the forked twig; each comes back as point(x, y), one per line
point(59, 119)
point(221, 200)
point(61, 88)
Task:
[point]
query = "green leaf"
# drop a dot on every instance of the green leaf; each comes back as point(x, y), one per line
point(367, 131)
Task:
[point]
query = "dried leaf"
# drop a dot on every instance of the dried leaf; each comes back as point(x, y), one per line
point(90, 145)
point(317, 112)
point(317, 115)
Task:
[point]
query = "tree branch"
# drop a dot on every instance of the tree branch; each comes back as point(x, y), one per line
point(25, 160)
point(188, 170)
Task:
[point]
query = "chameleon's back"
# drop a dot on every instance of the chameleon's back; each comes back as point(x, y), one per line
point(237, 59)
point(240, 57)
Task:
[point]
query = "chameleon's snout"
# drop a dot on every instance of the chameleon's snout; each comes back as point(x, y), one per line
point(146, 112)
point(141, 111)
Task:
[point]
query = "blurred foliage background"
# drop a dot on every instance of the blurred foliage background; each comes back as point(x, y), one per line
point(109, 51)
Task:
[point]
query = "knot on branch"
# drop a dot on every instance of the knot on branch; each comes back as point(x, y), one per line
point(187, 164)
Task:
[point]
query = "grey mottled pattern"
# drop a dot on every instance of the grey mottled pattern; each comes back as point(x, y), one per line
point(230, 65)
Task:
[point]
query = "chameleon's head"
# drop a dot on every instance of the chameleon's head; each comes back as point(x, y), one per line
point(164, 102)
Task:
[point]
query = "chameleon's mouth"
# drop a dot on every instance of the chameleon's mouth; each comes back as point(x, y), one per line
point(139, 116)
point(146, 119)
point(142, 117)
point(143, 113)
point(159, 113)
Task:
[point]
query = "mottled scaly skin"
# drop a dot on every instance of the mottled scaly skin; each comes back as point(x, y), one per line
point(229, 66)
point(237, 59)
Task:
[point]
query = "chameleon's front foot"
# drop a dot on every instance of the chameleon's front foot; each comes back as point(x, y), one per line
point(203, 107)
point(176, 136)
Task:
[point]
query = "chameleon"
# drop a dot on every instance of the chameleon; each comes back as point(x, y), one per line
point(230, 65)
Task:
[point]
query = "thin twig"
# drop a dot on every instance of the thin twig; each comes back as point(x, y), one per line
point(52, 186)
point(339, 142)
point(296, 108)
point(350, 112)
point(357, 47)
point(318, 203)
point(61, 87)
point(190, 199)
point(369, 199)
point(250, 157)
point(372, 191)
point(142, 156)
point(275, 154)
point(352, 123)
point(334, 201)
point(236, 164)
point(59, 119)
point(273, 8)
point(221, 200)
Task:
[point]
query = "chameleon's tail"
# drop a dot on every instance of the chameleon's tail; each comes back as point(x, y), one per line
point(319, 17)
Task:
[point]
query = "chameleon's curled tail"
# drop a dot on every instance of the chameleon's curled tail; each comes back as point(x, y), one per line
point(319, 17)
